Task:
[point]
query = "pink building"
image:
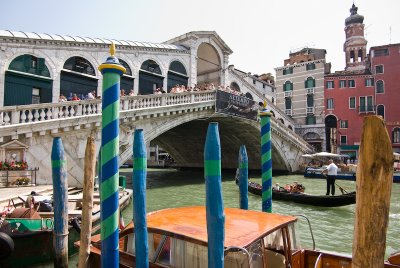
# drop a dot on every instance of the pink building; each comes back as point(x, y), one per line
point(370, 84)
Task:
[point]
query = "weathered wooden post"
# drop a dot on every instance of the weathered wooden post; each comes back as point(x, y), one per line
point(214, 202)
point(266, 159)
point(87, 206)
point(112, 71)
point(374, 186)
point(60, 196)
point(243, 177)
point(139, 195)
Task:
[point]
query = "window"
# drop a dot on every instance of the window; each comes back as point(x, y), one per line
point(288, 71)
point(343, 139)
point(263, 85)
point(360, 55)
point(380, 110)
point(330, 84)
point(352, 83)
point(35, 95)
point(342, 83)
point(288, 86)
point(352, 56)
point(369, 82)
point(379, 69)
point(352, 102)
point(254, 81)
point(310, 101)
point(381, 52)
point(366, 104)
point(310, 120)
point(310, 66)
point(344, 123)
point(310, 82)
point(288, 103)
point(329, 104)
point(379, 87)
point(396, 135)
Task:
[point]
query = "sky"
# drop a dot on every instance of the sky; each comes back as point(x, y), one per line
point(261, 33)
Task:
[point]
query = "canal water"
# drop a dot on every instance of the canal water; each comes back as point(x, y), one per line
point(332, 227)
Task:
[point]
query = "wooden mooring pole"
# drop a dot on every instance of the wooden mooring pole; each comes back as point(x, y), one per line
point(87, 206)
point(60, 199)
point(374, 185)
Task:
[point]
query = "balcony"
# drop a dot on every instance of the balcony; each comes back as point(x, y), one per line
point(288, 111)
point(366, 109)
point(310, 90)
point(310, 110)
point(288, 93)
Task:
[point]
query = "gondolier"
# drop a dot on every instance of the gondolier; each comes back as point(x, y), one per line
point(331, 169)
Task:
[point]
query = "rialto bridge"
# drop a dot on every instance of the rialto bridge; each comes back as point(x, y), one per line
point(36, 68)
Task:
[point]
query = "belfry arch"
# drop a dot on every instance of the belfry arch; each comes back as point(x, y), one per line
point(208, 65)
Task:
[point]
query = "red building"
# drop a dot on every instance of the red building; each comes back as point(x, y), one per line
point(370, 84)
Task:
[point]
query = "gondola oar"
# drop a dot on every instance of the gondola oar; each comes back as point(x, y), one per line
point(341, 189)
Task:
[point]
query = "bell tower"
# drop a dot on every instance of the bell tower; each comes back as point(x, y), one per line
point(355, 46)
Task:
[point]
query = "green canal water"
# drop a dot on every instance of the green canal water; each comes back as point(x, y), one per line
point(332, 227)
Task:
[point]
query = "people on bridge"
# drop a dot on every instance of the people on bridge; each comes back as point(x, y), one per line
point(62, 98)
point(75, 97)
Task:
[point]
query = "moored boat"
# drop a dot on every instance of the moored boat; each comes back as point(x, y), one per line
point(177, 237)
point(28, 228)
point(307, 199)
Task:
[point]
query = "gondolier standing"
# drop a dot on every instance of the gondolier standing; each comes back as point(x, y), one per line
point(331, 169)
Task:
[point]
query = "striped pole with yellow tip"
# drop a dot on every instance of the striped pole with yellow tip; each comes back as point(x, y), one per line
point(266, 159)
point(112, 71)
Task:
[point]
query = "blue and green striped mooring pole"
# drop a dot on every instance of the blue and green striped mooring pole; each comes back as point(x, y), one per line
point(112, 71)
point(214, 202)
point(60, 196)
point(266, 159)
point(139, 195)
point(243, 177)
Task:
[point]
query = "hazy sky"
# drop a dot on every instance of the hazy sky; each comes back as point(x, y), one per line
point(261, 33)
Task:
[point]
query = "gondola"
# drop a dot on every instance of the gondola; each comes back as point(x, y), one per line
point(307, 199)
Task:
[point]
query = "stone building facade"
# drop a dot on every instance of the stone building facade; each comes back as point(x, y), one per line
point(300, 93)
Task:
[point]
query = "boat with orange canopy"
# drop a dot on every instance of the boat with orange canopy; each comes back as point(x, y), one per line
point(177, 237)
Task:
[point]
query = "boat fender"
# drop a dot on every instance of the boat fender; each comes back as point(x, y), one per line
point(74, 222)
point(6, 246)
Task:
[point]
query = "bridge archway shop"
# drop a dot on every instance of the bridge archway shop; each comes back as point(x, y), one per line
point(77, 77)
point(208, 65)
point(150, 77)
point(27, 81)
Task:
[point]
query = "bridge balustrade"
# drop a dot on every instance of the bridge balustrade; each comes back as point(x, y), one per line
point(13, 115)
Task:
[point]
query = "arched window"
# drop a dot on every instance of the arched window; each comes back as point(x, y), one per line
point(151, 66)
point(280, 119)
point(235, 86)
point(273, 114)
point(360, 55)
point(126, 66)
point(30, 64)
point(288, 86)
point(380, 110)
point(310, 82)
point(79, 65)
point(177, 75)
point(380, 87)
point(150, 77)
point(396, 135)
point(352, 56)
point(249, 96)
point(27, 81)
point(127, 81)
point(290, 127)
